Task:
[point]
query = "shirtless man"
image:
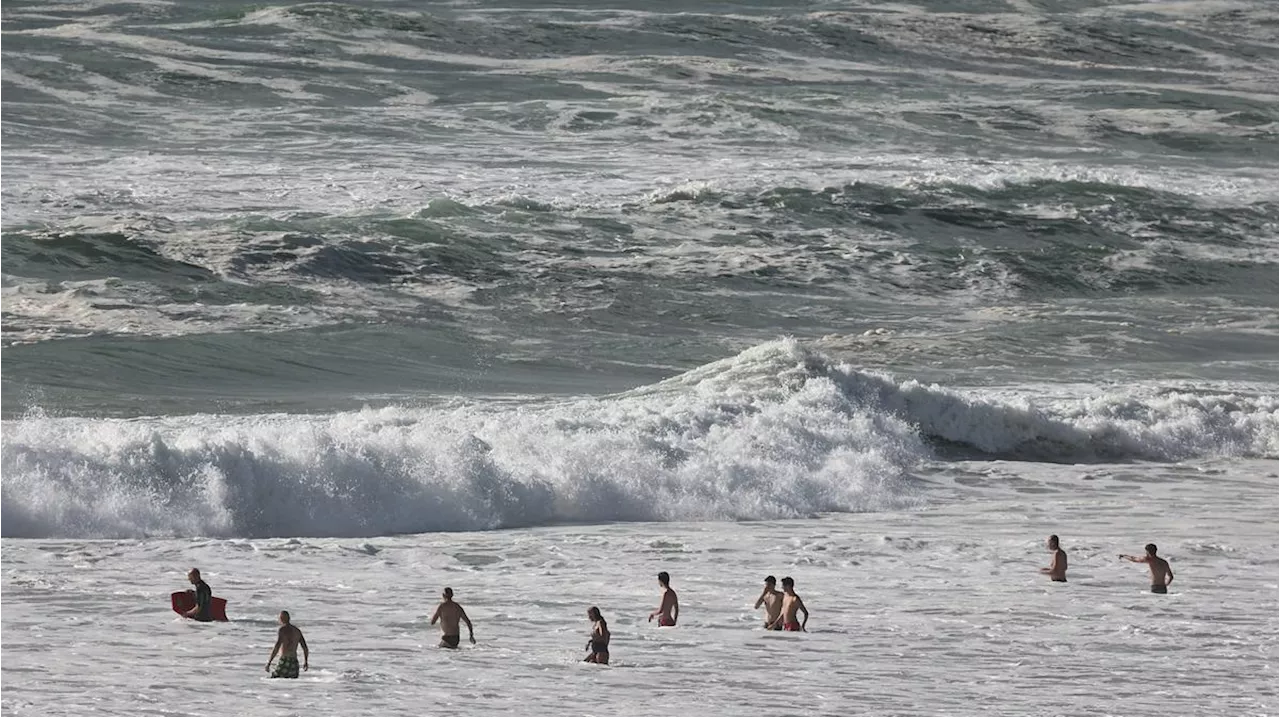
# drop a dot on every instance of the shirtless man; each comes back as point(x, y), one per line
point(1161, 573)
point(791, 604)
point(287, 643)
point(204, 597)
point(669, 611)
point(772, 601)
point(1057, 570)
point(449, 613)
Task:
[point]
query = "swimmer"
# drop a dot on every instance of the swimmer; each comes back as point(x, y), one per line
point(599, 642)
point(449, 613)
point(669, 611)
point(288, 640)
point(771, 599)
point(1161, 573)
point(791, 605)
point(1057, 570)
point(204, 597)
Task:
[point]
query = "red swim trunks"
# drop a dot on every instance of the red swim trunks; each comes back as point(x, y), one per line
point(791, 626)
point(664, 621)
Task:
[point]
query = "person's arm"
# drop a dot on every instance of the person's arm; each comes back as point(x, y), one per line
point(1168, 573)
point(274, 650)
point(471, 633)
point(675, 609)
point(436, 615)
point(800, 606)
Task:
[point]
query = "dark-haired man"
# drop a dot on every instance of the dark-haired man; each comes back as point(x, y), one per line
point(669, 610)
point(791, 606)
point(771, 599)
point(1161, 573)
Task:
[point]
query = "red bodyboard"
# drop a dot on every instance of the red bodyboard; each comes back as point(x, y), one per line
point(185, 600)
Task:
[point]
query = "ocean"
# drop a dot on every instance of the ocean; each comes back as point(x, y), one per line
point(344, 303)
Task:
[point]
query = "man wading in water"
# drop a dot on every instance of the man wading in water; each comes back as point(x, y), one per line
point(1161, 573)
point(287, 643)
point(449, 613)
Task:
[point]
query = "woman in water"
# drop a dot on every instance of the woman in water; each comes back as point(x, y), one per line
point(599, 644)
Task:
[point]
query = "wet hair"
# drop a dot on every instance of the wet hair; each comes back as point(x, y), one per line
point(770, 580)
point(664, 578)
point(448, 592)
point(1151, 548)
point(1053, 540)
point(787, 582)
point(194, 571)
point(284, 616)
point(593, 612)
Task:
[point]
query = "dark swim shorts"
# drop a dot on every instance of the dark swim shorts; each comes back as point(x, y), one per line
point(1159, 589)
point(286, 667)
point(450, 641)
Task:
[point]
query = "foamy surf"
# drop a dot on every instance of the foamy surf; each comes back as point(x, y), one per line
point(778, 431)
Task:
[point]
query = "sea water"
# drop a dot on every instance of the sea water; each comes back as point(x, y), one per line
point(344, 303)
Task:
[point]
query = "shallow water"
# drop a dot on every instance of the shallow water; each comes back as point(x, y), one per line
point(937, 610)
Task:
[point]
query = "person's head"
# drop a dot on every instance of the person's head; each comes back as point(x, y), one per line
point(193, 575)
point(284, 617)
point(770, 582)
point(593, 614)
point(448, 594)
point(788, 584)
point(1053, 542)
point(664, 579)
point(1151, 548)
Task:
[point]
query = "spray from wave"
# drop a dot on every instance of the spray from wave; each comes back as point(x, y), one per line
point(775, 432)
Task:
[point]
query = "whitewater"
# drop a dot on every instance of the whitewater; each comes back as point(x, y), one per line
point(344, 303)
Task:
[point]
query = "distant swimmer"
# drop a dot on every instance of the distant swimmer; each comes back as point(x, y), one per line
point(204, 597)
point(1057, 570)
point(1161, 573)
point(287, 643)
point(599, 643)
point(449, 613)
point(772, 601)
point(791, 605)
point(669, 611)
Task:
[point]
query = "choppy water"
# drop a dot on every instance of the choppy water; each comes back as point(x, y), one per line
point(345, 300)
point(218, 216)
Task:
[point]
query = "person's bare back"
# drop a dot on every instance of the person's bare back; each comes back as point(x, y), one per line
point(289, 637)
point(449, 614)
point(1161, 573)
point(288, 640)
point(1057, 570)
point(669, 611)
point(792, 605)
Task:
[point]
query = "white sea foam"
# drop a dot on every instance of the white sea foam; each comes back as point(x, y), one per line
point(775, 432)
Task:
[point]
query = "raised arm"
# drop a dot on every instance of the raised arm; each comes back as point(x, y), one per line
point(760, 600)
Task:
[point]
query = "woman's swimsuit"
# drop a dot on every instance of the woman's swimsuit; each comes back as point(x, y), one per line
point(791, 627)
